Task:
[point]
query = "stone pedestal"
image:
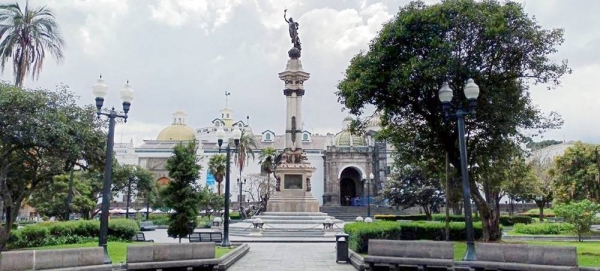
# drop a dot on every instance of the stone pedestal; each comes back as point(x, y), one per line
point(293, 189)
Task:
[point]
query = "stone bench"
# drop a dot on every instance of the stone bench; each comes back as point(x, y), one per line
point(199, 256)
point(420, 254)
point(521, 257)
point(216, 237)
point(140, 237)
point(55, 259)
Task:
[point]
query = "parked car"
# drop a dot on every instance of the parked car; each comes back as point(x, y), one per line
point(147, 226)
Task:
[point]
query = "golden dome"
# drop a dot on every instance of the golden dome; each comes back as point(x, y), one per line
point(177, 132)
point(345, 138)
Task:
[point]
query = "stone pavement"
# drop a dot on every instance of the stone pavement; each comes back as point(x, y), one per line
point(290, 257)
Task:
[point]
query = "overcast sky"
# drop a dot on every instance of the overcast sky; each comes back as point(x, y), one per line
point(183, 55)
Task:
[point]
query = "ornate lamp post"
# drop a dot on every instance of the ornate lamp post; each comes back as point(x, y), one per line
point(100, 90)
point(237, 134)
point(368, 184)
point(471, 91)
point(241, 201)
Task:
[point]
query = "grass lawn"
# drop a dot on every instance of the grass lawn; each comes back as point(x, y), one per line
point(118, 250)
point(588, 253)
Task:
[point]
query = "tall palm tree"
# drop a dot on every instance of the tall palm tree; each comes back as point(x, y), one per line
point(217, 166)
point(25, 36)
point(267, 164)
point(245, 150)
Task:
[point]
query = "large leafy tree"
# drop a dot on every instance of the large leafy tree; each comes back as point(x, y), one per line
point(25, 36)
point(576, 174)
point(497, 44)
point(44, 134)
point(210, 201)
point(411, 187)
point(217, 166)
point(52, 201)
point(182, 194)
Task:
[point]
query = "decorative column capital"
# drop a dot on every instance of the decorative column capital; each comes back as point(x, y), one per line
point(288, 92)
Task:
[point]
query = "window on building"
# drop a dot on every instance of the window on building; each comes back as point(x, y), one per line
point(305, 137)
point(268, 137)
point(227, 115)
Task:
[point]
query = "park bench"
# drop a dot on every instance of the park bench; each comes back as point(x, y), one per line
point(521, 257)
point(55, 259)
point(216, 237)
point(420, 254)
point(199, 256)
point(140, 237)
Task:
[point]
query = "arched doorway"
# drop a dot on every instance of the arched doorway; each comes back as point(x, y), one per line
point(349, 186)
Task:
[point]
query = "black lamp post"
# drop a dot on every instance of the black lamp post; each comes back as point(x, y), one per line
point(471, 91)
point(100, 90)
point(368, 184)
point(237, 134)
point(241, 201)
point(70, 195)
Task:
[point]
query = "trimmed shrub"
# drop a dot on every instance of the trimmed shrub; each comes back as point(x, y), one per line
point(504, 220)
point(70, 232)
point(543, 228)
point(360, 233)
point(159, 219)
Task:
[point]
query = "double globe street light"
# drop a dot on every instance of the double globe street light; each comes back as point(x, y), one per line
point(445, 94)
point(236, 135)
point(100, 90)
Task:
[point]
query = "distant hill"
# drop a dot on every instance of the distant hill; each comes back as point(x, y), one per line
point(540, 145)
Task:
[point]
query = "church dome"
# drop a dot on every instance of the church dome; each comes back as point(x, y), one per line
point(345, 139)
point(177, 131)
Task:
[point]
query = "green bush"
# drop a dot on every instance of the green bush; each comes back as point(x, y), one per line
point(235, 215)
point(360, 233)
point(581, 214)
point(159, 219)
point(70, 232)
point(504, 220)
point(543, 228)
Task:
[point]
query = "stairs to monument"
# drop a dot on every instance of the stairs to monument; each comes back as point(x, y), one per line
point(280, 232)
point(349, 213)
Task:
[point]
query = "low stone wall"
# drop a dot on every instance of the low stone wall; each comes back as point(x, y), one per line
point(357, 260)
point(230, 258)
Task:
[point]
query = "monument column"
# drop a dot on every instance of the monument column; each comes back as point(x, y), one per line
point(299, 127)
point(288, 119)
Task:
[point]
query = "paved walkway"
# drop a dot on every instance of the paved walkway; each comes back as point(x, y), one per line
point(290, 257)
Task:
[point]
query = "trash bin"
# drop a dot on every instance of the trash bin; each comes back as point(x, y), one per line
point(341, 245)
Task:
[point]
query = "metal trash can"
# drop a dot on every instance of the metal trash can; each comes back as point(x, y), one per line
point(341, 245)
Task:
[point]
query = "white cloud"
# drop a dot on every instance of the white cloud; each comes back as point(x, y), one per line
point(206, 14)
point(344, 30)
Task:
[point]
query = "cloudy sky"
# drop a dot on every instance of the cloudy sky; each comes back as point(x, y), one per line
point(183, 55)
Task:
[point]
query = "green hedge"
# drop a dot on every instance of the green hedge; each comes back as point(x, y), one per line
point(70, 232)
point(504, 220)
point(159, 219)
point(360, 233)
point(543, 228)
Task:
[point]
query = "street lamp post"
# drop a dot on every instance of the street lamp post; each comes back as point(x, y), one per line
point(368, 184)
point(100, 90)
point(237, 134)
point(241, 184)
point(471, 92)
point(131, 178)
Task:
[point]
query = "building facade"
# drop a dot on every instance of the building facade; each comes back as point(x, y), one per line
point(341, 159)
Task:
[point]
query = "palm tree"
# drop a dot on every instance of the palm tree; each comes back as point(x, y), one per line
point(25, 36)
point(217, 166)
point(245, 150)
point(267, 164)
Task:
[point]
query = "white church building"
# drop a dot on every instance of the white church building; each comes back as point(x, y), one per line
point(341, 159)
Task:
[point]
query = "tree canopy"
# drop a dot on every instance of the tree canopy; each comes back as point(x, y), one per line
point(182, 193)
point(26, 34)
point(497, 44)
point(44, 134)
point(576, 174)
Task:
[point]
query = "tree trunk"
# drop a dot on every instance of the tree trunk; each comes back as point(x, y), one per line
point(540, 205)
point(489, 219)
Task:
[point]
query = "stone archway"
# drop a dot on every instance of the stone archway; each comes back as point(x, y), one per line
point(349, 185)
